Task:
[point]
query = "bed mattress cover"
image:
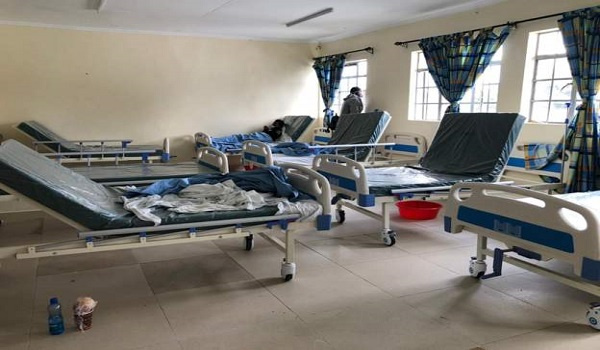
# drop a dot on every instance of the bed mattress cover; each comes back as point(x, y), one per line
point(359, 128)
point(473, 143)
point(295, 125)
point(98, 207)
point(382, 181)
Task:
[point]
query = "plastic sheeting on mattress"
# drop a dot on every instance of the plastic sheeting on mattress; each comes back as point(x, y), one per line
point(90, 204)
point(382, 181)
point(136, 172)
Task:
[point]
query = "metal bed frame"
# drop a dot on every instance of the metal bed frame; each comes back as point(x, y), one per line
point(267, 227)
point(535, 229)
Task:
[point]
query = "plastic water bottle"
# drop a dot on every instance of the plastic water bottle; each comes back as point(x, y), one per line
point(56, 324)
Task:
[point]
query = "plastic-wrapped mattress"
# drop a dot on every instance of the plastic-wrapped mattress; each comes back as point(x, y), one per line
point(82, 200)
point(120, 173)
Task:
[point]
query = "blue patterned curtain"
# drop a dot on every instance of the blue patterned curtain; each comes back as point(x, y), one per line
point(329, 72)
point(455, 61)
point(581, 35)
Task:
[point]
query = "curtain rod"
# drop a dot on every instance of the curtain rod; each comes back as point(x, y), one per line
point(514, 24)
point(368, 49)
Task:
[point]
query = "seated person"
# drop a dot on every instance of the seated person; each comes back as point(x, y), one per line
point(275, 130)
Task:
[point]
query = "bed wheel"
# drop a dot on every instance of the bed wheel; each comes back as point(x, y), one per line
point(388, 237)
point(593, 315)
point(340, 216)
point(288, 270)
point(477, 268)
point(249, 242)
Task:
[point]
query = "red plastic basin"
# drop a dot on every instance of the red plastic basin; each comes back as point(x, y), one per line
point(418, 210)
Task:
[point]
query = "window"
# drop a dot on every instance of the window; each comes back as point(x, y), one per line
point(354, 74)
point(553, 96)
point(428, 103)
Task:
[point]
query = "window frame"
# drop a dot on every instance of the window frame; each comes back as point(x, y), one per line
point(536, 58)
point(340, 94)
point(470, 99)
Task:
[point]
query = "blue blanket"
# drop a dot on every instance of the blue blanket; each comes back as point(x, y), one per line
point(293, 149)
point(265, 180)
point(234, 142)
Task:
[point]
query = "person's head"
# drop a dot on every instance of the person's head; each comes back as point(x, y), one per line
point(356, 91)
point(278, 123)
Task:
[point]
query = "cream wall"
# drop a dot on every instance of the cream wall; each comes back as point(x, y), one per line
point(85, 84)
point(388, 81)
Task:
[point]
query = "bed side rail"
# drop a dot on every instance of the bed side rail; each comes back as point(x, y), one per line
point(213, 159)
point(405, 144)
point(548, 225)
point(256, 153)
point(345, 176)
point(202, 140)
point(315, 184)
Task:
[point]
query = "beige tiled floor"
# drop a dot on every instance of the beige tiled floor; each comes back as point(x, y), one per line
point(350, 292)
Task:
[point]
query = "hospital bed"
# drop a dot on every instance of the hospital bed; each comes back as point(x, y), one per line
point(467, 147)
point(208, 160)
point(295, 127)
point(398, 149)
point(534, 227)
point(90, 151)
point(103, 224)
point(357, 136)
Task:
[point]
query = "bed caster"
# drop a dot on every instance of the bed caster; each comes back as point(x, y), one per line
point(477, 268)
point(288, 270)
point(249, 242)
point(388, 237)
point(593, 315)
point(340, 216)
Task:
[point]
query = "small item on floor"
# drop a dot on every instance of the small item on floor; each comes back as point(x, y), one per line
point(83, 310)
point(56, 323)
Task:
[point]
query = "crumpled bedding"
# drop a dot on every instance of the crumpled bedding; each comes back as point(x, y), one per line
point(221, 196)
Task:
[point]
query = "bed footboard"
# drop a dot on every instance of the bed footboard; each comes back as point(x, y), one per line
point(202, 140)
point(345, 176)
point(315, 184)
point(549, 226)
point(213, 159)
point(321, 136)
point(405, 144)
point(256, 153)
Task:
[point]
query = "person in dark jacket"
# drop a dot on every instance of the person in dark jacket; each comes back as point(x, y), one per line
point(353, 102)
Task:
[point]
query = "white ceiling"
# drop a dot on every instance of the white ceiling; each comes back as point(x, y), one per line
point(249, 19)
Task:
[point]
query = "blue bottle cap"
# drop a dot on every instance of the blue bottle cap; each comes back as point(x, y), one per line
point(54, 300)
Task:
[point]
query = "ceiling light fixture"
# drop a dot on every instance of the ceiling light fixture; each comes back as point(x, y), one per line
point(309, 17)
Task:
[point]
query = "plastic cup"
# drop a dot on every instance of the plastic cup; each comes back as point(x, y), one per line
point(83, 322)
